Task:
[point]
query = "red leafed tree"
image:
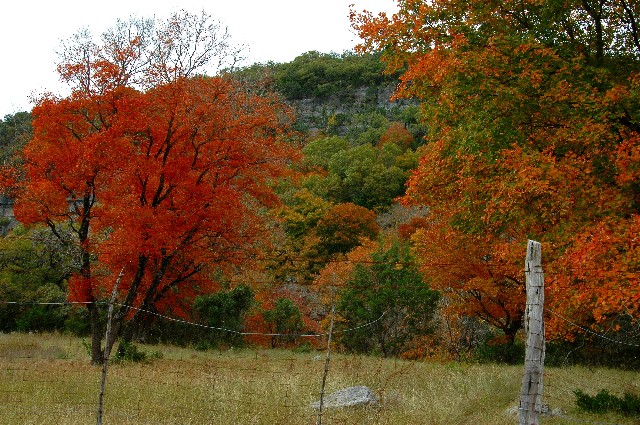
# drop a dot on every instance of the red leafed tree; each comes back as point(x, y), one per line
point(73, 152)
point(162, 176)
point(198, 173)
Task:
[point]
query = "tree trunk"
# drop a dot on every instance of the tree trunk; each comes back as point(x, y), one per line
point(511, 330)
point(96, 333)
point(118, 321)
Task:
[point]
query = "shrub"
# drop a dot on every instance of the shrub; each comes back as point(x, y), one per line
point(224, 311)
point(604, 402)
point(494, 350)
point(129, 352)
point(284, 318)
point(391, 298)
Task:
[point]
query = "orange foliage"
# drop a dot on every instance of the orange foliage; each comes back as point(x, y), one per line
point(163, 184)
point(406, 230)
point(344, 226)
point(528, 138)
point(598, 276)
point(398, 134)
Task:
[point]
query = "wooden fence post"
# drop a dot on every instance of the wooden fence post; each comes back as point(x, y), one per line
point(328, 359)
point(107, 351)
point(531, 392)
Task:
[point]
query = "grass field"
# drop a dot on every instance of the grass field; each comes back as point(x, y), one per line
point(47, 379)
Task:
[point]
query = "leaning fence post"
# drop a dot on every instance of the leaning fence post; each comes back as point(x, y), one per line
point(328, 359)
point(105, 355)
point(531, 392)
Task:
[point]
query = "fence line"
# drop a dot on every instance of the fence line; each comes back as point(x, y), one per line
point(220, 384)
point(288, 381)
point(289, 391)
point(202, 325)
point(589, 331)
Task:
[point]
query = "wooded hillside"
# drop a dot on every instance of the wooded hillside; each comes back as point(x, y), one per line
point(399, 183)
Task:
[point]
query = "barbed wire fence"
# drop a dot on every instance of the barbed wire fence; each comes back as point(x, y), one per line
point(23, 361)
point(46, 381)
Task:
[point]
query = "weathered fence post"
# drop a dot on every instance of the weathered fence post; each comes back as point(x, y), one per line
point(328, 359)
point(531, 393)
point(106, 353)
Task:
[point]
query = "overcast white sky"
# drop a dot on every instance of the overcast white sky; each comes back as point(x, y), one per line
point(277, 30)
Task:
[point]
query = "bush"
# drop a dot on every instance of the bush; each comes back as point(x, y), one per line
point(41, 318)
point(77, 322)
point(385, 304)
point(129, 352)
point(589, 350)
point(493, 350)
point(305, 347)
point(284, 318)
point(224, 312)
point(604, 402)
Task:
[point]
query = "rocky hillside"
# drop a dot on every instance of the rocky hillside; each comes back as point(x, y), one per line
point(332, 94)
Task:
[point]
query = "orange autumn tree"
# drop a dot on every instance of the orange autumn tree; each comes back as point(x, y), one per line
point(533, 116)
point(74, 150)
point(199, 173)
point(161, 174)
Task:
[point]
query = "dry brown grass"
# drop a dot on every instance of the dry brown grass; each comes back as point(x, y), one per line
point(47, 379)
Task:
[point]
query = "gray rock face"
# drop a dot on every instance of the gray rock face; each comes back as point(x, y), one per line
point(348, 397)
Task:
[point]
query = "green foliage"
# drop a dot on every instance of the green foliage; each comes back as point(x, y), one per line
point(503, 352)
point(318, 152)
point(129, 352)
point(305, 347)
point(593, 351)
point(34, 267)
point(284, 318)
point(340, 94)
point(604, 402)
point(224, 310)
point(320, 75)
point(43, 317)
point(77, 321)
point(391, 302)
point(15, 131)
point(366, 128)
point(303, 213)
point(363, 174)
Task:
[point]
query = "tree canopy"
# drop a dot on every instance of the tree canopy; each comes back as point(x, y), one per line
point(160, 173)
point(532, 116)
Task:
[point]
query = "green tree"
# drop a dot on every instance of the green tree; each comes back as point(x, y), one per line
point(367, 127)
point(318, 152)
point(34, 268)
point(389, 299)
point(320, 75)
point(363, 175)
point(368, 177)
point(225, 312)
point(15, 131)
point(284, 318)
